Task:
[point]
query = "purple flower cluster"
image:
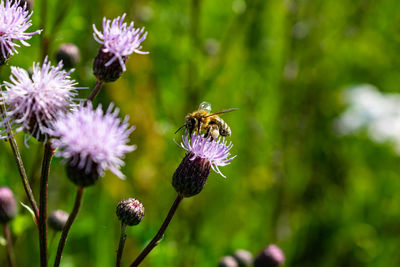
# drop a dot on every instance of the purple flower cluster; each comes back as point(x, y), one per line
point(89, 138)
point(34, 102)
point(15, 20)
point(119, 39)
point(216, 152)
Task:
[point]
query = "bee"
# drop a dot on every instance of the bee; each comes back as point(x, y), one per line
point(202, 120)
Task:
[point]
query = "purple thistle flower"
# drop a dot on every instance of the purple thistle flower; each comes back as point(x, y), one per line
point(118, 41)
point(216, 152)
point(92, 141)
point(15, 20)
point(34, 102)
point(203, 154)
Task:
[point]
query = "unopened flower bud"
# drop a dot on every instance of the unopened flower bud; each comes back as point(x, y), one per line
point(271, 256)
point(8, 205)
point(243, 257)
point(69, 54)
point(108, 73)
point(81, 176)
point(130, 211)
point(57, 220)
point(228, 261)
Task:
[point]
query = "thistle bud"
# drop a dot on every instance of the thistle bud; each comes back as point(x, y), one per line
point(228, 261)
point(108, 73)
point(243, 257)
point(191, 175)
point(81, 176)
point(271, 256)
point(8, 205)
point(69, 54)
point(57, 220)
point(130, 211)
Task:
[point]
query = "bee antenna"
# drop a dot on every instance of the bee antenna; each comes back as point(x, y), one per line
point(180, 128)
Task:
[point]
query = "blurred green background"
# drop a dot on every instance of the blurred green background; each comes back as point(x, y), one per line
point(325, 200)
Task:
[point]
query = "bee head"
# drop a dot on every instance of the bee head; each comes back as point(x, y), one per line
point(190, 124)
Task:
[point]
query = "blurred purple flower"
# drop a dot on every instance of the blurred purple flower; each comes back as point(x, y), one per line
point(90, 138)
point(216, 152)
point(119, 39)
point(15, 20)
point(34, 102)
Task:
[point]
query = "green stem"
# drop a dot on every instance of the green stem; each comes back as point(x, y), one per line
point(67, 227)
point(156, 239)
point(45, 42)
point(121, 244)
point(21, 169)
point(47, 156)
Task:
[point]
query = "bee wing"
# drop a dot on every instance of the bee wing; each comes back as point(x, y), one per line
point(222, 111)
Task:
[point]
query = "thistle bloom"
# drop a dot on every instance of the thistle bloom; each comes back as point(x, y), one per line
point(118, 41)
point(203, 154)
point(92, 141)
point(15, 20)
point(34, 102)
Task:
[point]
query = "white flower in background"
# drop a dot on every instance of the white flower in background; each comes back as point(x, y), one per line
point(372, 110)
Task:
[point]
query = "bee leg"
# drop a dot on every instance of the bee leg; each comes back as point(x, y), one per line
point(214, 131)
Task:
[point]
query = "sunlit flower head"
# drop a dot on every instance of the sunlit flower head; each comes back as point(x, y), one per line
point(14, 21)
point(119, 39)
point(216, 152)
point(34, 101)
point(92, 141)
point(203, 154)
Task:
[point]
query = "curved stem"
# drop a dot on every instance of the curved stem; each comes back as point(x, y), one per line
point(47, 156)
point(156, 239)
point(121, 244)
point(10, 251)
point(67, 227)
point(20, 165)
point(96, 90)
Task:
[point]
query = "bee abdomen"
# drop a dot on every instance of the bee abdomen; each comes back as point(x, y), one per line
point(224, 129)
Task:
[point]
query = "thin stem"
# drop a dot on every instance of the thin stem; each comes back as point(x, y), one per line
point(67, 227)
point(20, 165)
point(10, 250)
point(96, 90)
point(45, 42)
point(121, 244)
point(156, 239)
point(47, 156)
